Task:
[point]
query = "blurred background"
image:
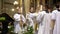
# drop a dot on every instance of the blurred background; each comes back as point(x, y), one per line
point(10, 6)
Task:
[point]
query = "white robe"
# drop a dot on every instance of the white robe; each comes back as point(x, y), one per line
point(40, 20)
point(33, 17)
point(47, 22)
point(17, 21)
point(44, 19)
point(29, 21)
point(56, 17)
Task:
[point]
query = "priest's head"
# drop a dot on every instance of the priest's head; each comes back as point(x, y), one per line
point(19, 10)
point(32, 10)
point(58, 7)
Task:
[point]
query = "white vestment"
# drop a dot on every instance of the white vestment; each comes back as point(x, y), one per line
point(40, 20)
point(17, 21)
point(47, 22)
point(32, 16)
point(56, 17)
point(29, 21)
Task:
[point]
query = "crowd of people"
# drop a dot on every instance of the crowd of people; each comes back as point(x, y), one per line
point(48, 20)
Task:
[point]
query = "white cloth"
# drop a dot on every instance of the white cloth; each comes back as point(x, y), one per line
point(16, 27)
point(32, 16)
point(40, 15)
point(17, 21)
point(40, 20)
point(47, 22)
point(44, 20)
point(30, 21)
point(17, 17)
point(56, 17)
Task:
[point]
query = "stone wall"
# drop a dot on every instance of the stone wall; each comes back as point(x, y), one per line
point(0, 5)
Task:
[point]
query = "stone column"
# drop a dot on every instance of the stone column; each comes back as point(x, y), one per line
point(43, 2)
point(27, 5)
point(20, 4)
point(38, 6)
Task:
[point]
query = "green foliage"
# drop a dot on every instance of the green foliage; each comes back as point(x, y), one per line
point(29, 30)
point(2, 18)
point(11, 29)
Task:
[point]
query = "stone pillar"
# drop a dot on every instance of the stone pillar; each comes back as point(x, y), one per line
point(38, 6)
point(37, 3)
point(20, 4)
point(27, 5)
point(43, 2)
